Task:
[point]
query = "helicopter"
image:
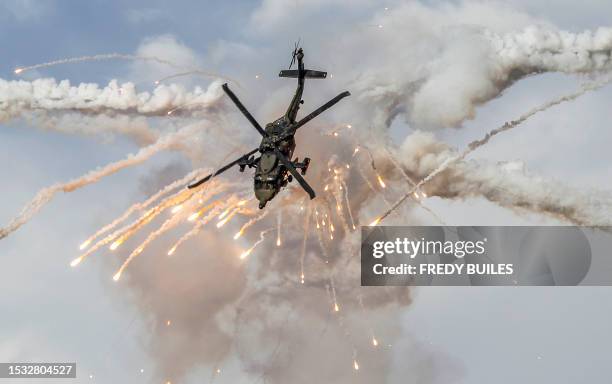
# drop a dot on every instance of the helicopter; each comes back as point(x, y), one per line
point(273, 167)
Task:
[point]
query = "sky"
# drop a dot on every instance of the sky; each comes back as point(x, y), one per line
point(478, 335)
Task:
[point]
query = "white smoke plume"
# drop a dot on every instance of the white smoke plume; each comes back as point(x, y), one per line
point(20, 97)
point(435, 64)
point(449, 161)
point(510, 187)
point(45, 195)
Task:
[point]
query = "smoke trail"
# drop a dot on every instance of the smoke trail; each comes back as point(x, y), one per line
point(434, 64)
point(279, 224)
point(262, 236)
point(215, 208)
point(141, 206)
point(119, 236)
point(45, 195)
point(197, 73)
point(479, 143)
point(100, 57)
point(167, 225)
point(450, 160)
point(47, 95)
point(249, 223)
point(348, 204)
point(306, 229)
point(391, 157)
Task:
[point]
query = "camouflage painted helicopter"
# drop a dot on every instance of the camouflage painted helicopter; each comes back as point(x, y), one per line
point(273, 167)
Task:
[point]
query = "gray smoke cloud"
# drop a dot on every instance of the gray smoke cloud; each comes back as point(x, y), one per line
point(18, 98)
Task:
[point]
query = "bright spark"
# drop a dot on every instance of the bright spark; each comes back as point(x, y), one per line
point(227, 218)
point(381, 182)
point(117, 276)
point(85, 244)
point(115, 244)
point(193, 216)
point(224, 213)
point(171, 251)
point(336, 307)
point(76, 261)
point(238, 234)
point(374, 341)
point(355, 365)
point(246, 253)
point(18, 70)
point(375, 222)
point(168, 323)
point(349, 126)
point(177, 208)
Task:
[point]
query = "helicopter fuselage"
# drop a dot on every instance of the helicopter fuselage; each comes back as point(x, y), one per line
point(270, 174)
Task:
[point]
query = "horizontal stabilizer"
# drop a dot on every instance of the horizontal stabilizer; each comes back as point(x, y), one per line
point(308, 73)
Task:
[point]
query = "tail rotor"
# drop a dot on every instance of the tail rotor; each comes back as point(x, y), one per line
point(295, 52)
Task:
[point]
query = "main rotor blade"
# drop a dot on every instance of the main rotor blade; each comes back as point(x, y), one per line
point(222, 169)
point(321, 109)
point(244, 111)
point(287, 163)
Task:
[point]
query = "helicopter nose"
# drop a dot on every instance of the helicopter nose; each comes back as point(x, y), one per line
point(263, 195)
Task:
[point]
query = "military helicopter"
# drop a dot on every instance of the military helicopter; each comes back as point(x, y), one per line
point(273, 167)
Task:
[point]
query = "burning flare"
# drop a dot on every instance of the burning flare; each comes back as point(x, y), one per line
point(380, 181)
